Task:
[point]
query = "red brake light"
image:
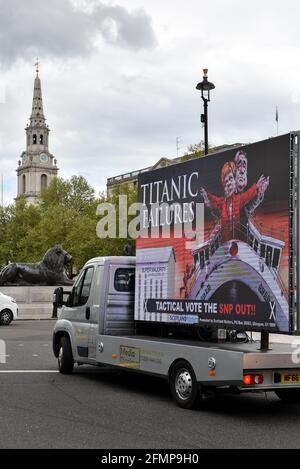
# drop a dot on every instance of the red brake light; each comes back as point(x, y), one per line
point(253, 379)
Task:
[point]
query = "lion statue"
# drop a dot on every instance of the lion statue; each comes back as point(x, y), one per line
point(49, 271)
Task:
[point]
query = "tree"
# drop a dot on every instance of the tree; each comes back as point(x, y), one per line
point(16, 222)
point(66, 214)
point(115, 246)
point(196, 150)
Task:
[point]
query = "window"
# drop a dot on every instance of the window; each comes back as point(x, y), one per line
point(269, 256)
point(207, 254)
point(124, 280)
point(43, 181)
point(201, 259)
point(23, 184)
point(41, 139)
point(86, 287)
point(276, 257)
point(76, 290)
point(34, 139)
point(82, 287)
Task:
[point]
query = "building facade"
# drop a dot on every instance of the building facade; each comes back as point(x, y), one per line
point(132, 177)
point(37, 166)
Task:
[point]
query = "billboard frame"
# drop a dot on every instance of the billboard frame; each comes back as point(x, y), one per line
point(291, 156)
point(294, 228)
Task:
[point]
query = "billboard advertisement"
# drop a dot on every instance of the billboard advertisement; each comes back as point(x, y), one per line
point(213, 248)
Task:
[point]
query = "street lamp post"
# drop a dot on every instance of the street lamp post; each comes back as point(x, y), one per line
point(205, 86)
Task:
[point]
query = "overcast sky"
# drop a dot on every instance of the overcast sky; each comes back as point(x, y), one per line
point(119, 77)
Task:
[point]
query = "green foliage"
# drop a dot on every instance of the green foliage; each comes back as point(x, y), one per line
point(115, 246)
point(196, 150)
point(65, 214)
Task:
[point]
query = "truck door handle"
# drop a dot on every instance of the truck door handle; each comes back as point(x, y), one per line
point(87, 312)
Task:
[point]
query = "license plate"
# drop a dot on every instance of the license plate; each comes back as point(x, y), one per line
point(290, 378)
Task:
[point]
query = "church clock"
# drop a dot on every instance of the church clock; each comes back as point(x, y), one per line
point(44, 158)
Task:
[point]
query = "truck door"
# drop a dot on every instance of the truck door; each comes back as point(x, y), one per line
point(79, 310)
point(97, 306)
point(119, 309)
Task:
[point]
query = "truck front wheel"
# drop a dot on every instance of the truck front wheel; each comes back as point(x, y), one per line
point(65, 356)
point(183, 385)
point(289, 395)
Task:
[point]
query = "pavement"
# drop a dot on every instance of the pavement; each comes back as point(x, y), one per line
point(278, 338)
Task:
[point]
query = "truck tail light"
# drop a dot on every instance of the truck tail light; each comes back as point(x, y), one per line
point(253, 379)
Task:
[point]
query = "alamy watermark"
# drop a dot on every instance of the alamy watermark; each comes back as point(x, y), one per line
point(182, 220)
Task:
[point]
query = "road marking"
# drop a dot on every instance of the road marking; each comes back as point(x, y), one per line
point(35, 355)
point(21, 345)
point(29, 371)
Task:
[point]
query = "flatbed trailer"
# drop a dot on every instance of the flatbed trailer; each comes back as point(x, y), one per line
point(240, 366)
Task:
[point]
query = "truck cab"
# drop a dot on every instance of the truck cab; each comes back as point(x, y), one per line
point(101, 302)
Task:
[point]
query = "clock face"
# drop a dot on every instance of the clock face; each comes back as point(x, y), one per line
point(44, 157)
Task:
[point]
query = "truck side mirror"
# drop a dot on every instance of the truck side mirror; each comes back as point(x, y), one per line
point(58, 297)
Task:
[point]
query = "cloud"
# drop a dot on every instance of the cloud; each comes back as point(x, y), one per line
point(59, 28)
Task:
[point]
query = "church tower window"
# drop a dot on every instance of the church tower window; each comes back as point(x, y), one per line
point(43, 181)
point(41, 139)
point(23, 184)
point(34, 139)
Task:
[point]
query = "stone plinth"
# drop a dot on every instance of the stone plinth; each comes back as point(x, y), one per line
point(33, 302)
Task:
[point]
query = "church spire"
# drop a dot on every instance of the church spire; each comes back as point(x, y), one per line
point(37, 166)
point(37, 115)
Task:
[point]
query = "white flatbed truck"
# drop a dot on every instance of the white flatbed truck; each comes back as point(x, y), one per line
point(241, 275)
point(96, 326)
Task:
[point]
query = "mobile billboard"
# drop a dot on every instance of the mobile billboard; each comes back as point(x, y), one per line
point(215, 240)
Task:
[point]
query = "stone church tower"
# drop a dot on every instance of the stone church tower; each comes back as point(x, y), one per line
point(37, 166)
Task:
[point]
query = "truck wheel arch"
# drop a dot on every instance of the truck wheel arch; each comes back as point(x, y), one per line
point(56, 341)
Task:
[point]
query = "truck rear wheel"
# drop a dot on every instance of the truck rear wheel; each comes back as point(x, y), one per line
point(289, 395)
point(65, 356)
point(183, 385)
